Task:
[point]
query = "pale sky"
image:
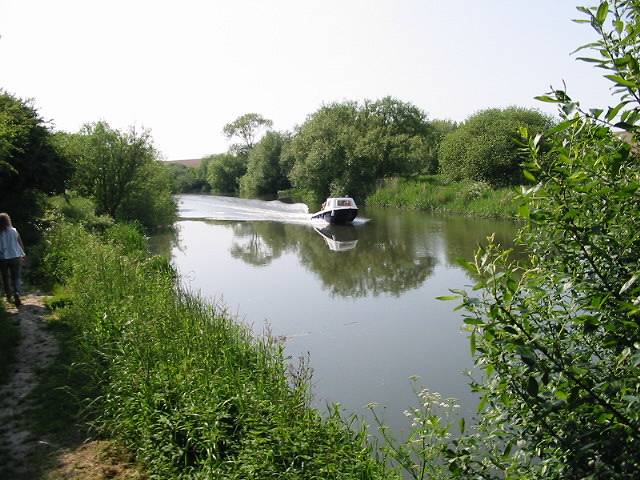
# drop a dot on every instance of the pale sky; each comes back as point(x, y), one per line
point(185, 68)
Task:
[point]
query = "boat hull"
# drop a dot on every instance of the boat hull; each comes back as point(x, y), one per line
point(338, 216)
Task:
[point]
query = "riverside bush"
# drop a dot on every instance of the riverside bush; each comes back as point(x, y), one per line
point(556, 340)
point(191, 392)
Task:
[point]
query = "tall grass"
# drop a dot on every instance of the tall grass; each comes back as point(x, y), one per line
point(190, 392)
point(435, 193)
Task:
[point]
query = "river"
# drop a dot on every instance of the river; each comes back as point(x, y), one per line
point(358, 300)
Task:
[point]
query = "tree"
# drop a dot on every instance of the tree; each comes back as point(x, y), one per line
point(441, 128)
point(119, 171)
point(246, 127)
point(224, 171)
point(486, 146)
point(186, 179)
point(265, 174)
point(30, 165)
point(400, 135)
point(343, 148)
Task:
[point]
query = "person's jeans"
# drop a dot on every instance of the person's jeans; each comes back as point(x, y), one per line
point(11, 268)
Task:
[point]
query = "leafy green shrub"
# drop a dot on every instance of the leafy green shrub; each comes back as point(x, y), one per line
point(128, 237)
point(557, 339)
point(473, 190)
point(120, 172)
point(486, 146)
point(73, 208)
point(264, 171)
point(224, 171)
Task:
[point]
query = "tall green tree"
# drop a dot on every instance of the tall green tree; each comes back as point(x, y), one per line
point(120, 172)
point(486, 147)
point(30, 165)
point(224, 171)
point(343, 148)
point(246, 128)
point(265, 174)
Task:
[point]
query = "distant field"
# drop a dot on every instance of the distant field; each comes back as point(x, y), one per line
point(194, 162)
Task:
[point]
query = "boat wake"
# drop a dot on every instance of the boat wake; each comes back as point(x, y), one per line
point(210, 207)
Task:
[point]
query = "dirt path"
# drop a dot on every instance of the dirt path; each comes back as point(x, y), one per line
point(37, 349)
point(22, 453)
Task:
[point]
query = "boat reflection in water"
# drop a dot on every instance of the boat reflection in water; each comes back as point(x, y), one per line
point(339, 238)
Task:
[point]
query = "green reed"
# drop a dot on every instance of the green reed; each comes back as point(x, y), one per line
point(191, 392)
point(435, 193)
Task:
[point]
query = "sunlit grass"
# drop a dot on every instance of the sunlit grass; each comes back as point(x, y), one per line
point(435, 193)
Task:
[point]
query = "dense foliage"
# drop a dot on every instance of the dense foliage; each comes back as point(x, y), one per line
point(121, 173)
point(265, 174)
point(224, 171)
point(30, 165)
point(557, 339)
point(187, 179)
point(343, 148)
point(486, 147)
point(181, 384)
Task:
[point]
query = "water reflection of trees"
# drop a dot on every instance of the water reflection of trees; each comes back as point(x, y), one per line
point(390, 257)
point(462, 236)
point(258, 243)
point(395, 252)
point(162, 243)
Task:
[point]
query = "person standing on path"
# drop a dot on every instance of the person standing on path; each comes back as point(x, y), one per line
point(11, 257)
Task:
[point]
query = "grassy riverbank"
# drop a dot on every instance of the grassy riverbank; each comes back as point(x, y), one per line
point(435, 193)
point(179, 383)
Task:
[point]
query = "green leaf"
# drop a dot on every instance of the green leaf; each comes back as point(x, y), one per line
point(467, 265)
point(596, 112)
point(547, 98)
point(472, 342)
point(462, 425)
point(625, 126)
point(588, 45)
point(562, 126)
point(561, 395)
point(590, 60)
point(473, 321)
point(621, 81)
point(447, 297)
point(523, 211)
point(612, 112)
point(528, 175)
point(601, 15)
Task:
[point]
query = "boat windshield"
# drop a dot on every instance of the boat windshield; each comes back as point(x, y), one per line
point(344, 202)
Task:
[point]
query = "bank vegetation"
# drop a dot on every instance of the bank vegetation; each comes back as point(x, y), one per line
point(192, 394)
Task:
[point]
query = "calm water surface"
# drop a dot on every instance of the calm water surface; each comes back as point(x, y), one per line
point(359, 300)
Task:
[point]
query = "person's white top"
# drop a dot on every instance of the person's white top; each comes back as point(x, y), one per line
point(9, 245)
